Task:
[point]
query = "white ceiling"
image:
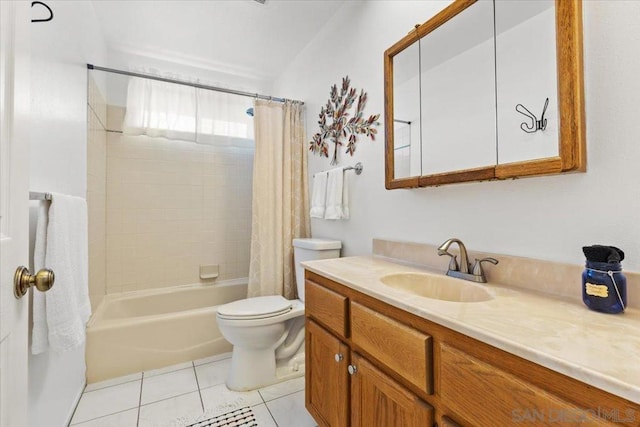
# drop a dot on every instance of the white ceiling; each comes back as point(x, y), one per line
point(231, 36)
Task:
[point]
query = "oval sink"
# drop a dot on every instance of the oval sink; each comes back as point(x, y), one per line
point(437, 287)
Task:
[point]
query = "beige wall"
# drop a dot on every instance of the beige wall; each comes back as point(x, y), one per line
point(173, 206)
point(96, 191)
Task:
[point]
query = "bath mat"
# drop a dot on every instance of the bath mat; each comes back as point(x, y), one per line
point(242, 417)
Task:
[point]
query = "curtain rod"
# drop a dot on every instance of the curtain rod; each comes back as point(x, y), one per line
point(196, 85)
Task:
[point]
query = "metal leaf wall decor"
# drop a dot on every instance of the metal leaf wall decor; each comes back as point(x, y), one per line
point(337, 123)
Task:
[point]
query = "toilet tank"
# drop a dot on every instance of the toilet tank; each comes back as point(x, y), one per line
point(309, 250)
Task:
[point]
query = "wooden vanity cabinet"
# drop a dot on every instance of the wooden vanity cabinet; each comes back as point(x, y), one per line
point(327, 378)
point(343, 388)
point(408, 371)
point(378, 400)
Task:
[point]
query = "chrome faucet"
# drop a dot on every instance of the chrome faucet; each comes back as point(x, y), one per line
point(464, 270)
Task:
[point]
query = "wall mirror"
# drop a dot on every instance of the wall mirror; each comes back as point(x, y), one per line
point(486, 89)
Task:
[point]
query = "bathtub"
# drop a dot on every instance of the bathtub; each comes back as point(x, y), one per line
point(142, 330)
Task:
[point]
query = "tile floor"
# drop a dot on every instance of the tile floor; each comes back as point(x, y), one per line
point(185, 393)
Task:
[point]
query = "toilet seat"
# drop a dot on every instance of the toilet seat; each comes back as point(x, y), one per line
point(255, 308)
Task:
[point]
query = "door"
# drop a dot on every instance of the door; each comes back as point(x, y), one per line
point(327, 380)
point(14, 207)
point(378, 401)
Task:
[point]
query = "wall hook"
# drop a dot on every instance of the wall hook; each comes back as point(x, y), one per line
point(48, 8)
point(536, 124)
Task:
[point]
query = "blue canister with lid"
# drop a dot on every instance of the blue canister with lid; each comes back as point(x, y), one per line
point(604, 286)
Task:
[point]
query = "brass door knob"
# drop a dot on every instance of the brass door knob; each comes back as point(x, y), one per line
point(23, 280)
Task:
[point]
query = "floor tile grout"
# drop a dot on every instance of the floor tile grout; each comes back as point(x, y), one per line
point(140, 399)
point(195, 373)
point(168, 398)
point(109, 386)
point(280, 397)
point(272, 417)
point(102, 416)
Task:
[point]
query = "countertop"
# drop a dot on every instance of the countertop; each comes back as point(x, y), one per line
point(596, 348)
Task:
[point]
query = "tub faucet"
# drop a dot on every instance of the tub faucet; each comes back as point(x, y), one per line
point(464, 270)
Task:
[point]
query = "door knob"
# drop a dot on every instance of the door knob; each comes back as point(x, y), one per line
point(23, 280)
point(352, 369)
point(338, 357)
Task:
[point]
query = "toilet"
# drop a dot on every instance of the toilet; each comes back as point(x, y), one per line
point(267, 333)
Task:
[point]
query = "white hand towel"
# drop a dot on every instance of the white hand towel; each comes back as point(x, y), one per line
point(67, 302)
point(40, 333)
point(319, 195)
point(334, 194)
point(345, 195)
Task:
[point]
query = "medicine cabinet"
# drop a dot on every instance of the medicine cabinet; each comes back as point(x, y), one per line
point(486, 89)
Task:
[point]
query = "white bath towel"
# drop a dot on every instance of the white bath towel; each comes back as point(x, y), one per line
point(334, 209)
point(67, 303)
point(319, 195)
point(40, 332)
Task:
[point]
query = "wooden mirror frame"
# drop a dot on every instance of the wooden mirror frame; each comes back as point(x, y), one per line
point(571, 136)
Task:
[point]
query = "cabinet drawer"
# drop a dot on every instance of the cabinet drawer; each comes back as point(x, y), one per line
point(399, 347)
point(326, 307)
point(486, 395)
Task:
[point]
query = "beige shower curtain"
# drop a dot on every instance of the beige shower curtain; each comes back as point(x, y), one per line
point(280, 207)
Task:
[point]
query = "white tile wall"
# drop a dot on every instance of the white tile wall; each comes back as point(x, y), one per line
point(173, 206)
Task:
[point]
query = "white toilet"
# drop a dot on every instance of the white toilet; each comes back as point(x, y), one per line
point(267, 333)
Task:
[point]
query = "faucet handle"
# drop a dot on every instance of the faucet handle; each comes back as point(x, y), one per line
point(477, 266)
point(453, 263)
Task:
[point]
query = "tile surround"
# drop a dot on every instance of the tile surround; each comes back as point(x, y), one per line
point(121, 401)
point(172, 206)
point(96, 191)
point(550, 277)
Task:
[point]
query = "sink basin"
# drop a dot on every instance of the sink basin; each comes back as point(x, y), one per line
point(437, 287)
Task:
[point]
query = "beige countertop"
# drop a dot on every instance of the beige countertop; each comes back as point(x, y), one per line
point(599, 349)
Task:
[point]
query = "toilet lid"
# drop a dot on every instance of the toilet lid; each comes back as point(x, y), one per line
point(255, 308)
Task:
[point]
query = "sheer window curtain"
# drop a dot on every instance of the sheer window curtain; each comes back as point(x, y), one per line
point(280, 207)
point(174, 111)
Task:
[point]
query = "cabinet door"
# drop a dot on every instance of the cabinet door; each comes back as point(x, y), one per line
point(327, 391)
point(379, 401)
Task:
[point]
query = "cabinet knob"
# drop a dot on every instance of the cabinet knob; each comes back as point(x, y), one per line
point(352, 369)
point(338, 357)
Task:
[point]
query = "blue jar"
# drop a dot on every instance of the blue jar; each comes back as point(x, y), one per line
point(604, 287)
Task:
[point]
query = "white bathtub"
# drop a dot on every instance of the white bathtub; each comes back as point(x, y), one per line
point(142, 330)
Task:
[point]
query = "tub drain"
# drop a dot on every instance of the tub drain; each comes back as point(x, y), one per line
point(242, 417)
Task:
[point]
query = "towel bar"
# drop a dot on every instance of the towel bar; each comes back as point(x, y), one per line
point(36, 195)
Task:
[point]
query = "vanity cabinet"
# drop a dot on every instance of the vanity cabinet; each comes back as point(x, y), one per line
point(327, 378)
point(370, 364)
point(378, 400)
point(343, 388)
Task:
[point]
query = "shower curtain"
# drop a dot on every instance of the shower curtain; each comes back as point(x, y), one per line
point(280, 206)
